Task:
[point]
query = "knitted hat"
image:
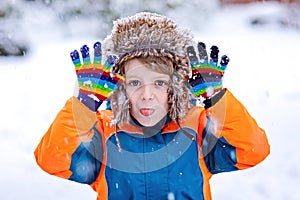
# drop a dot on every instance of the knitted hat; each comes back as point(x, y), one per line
point(149, 34)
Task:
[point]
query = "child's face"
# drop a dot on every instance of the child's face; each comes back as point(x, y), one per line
point(147, 91)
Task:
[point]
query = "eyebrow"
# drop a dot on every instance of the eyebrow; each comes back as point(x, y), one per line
point(165, 76)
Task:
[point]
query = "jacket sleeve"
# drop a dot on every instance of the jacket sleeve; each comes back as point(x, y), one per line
point(72, 146)
point(231, 138)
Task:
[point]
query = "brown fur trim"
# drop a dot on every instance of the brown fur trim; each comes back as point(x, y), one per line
point(181, 64)
point(120, 106)
point(145, 32)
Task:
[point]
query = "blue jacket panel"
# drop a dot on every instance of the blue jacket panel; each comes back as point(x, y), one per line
point(153, 167)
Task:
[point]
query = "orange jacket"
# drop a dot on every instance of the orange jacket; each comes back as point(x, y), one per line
point(124, 163)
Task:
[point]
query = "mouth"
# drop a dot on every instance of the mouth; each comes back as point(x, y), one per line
point(146, 111)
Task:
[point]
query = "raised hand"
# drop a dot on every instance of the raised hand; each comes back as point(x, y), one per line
point(95, 80)
point(207, 73)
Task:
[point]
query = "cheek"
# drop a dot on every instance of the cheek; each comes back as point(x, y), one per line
point(163, 100)
point(132, 96)
point(133, 101)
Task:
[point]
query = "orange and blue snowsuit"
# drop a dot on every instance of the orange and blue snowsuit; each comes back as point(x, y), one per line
point(133, 162)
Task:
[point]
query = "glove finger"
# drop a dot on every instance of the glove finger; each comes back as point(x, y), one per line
point(110, 62)
point(97, 53)
point(224, 60)
point(191, 53)
point(85, 53)
point(223, 63)
point(202, 52)
point(214, 55)
point(75, 59)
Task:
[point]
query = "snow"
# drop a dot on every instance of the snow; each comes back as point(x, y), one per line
point(263, 73)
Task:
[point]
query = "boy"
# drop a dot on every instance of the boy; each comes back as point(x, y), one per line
point(154, 143)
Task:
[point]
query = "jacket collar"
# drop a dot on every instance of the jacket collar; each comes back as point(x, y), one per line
point(165, 125)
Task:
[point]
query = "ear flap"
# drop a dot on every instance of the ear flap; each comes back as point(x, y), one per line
point(179, 97)
point(120, 106)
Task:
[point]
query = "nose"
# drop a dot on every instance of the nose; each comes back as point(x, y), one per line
point(147, 92)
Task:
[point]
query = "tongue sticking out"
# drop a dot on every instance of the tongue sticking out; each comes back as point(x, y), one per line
point(146, 111)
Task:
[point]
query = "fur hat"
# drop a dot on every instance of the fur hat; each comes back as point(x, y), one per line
point(147, 33)
point(150, 34)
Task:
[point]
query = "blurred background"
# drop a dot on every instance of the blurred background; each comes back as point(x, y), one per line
point(22, 20)
point(262, 38)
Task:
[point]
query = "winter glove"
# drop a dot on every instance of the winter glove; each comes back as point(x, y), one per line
point(94, 79)
point(207, 74)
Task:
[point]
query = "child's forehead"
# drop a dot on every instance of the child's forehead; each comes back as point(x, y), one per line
point(143, 72)
point(139, 67)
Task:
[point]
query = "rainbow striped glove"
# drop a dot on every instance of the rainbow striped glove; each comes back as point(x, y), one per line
point(207, 74)
point(95, 81)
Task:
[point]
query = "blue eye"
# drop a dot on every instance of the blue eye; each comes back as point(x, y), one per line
point(134, 83)
point(160, 83)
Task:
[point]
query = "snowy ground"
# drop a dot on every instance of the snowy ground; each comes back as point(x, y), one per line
point(263, 74)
